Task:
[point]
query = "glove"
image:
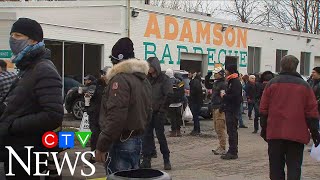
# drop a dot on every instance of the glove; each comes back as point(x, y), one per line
point(209, 74)
point(316, 138)
point(263, 124)
point(221, 110)
point(263, 134)
point(313, 125)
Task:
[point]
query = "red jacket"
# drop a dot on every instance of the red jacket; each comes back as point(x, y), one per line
point(288, 101)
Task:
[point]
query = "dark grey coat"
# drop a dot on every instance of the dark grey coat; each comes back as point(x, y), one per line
point(35, 105)
point(161, 87)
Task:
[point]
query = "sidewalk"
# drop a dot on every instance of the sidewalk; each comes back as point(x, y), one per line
point(191, 158)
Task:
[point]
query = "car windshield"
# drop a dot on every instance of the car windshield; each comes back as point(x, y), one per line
point(184, 77)
point(186, 83)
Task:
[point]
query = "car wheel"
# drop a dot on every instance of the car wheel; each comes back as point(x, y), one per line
point(78, 109)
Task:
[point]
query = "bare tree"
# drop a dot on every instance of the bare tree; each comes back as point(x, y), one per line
point(297, 15)
point(203, 6)
point(246, 11)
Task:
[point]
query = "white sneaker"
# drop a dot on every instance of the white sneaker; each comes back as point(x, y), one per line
point(219, 151)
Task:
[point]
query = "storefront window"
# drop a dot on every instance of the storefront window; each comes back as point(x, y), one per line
point(75, 60)
point(92, 60)
point(56, 53)
point(305, 63)
point(73, 57)
point(254, 55)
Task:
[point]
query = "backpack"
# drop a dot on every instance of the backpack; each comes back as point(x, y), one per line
point(178, 92)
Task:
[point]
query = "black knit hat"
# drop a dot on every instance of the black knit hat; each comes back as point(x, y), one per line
point(232, 68)
point(122, 50)
point(266, 76)
point(28, 27)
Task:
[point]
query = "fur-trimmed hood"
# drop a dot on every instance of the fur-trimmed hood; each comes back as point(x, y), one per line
point(129, 66)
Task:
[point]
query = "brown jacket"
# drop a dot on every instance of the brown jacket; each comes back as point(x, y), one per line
point(126, 102)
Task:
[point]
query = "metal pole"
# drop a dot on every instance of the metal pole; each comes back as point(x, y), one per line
point(62, 71)
point(128, 16)
point(83, 64)
point(318, 16)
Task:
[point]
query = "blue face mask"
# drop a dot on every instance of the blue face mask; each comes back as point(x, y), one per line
point(17, 46)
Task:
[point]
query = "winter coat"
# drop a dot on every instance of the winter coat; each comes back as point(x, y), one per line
point(233, 97)
point(315, 84)
point(95, 103)
point(177, 96)
point(35, 105)
point(161, 87)
point(216, 86)
point(287, 102)
point(126, 103)
point(252, 92)
point(196, 91)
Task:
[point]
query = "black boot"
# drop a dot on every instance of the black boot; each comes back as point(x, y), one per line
point(229, 156)
point(146, 163)
point(167, 165)
point(154, 155)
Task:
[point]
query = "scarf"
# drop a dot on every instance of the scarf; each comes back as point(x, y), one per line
point(21, 55)
point(232, 76)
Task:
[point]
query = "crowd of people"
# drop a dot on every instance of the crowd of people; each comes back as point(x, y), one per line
point(133, 98)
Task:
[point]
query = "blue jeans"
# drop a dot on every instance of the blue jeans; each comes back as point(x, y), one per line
point(240, 115)
point(195, 109)
point(255, 106)
point(124, 155)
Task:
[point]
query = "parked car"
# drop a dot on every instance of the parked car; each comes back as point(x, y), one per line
point(70, 83)
point(74, 102)
point(205, 110)
point(183, 76)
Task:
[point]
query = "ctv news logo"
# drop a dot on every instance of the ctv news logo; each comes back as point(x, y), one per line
point(50, 140)
point(65, 140)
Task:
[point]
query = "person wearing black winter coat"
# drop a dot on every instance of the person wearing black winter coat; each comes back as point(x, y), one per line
point(315, 84)
point(265, 78)
point(35, 103)
point(175, 99)
point(253, 95)
point(161, 88)
point(232, 99)
point(219, 120)
point(196, 101)
point(94, 111)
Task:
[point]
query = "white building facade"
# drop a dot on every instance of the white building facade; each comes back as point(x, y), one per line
point(80, 35)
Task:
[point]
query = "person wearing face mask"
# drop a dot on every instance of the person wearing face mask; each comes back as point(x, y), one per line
point(125, 108)
point(34, 102)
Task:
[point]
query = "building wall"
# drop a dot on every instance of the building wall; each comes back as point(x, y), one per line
point(104, 22)
point(149, 32)
point(6, 21)
point(99, 23)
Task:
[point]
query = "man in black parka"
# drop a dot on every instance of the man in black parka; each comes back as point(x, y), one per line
point(34, 105)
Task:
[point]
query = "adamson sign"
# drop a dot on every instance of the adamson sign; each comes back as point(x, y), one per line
point(190, 36)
